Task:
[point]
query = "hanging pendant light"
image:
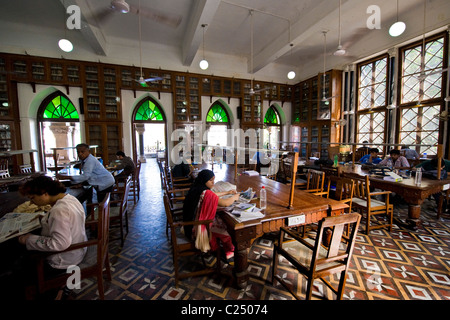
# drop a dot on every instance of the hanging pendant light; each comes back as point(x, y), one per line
point(291, 74)
point(340, 51)
point(204, 64)
point(398, 27)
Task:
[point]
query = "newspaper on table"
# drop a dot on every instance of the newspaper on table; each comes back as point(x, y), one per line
point(223, 186)
point(14, 224)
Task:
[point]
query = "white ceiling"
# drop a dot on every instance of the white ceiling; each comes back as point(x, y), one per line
point(34, 27)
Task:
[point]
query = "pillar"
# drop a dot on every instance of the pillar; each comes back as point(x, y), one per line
point(140, 129)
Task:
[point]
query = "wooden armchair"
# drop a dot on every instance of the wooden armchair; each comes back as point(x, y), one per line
point(314, 261)
point(182, 246)
point(364, 202)
point(96, 260)
point(119, 208)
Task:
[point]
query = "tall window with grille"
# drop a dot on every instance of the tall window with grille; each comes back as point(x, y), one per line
point(422, 92)
point(372, 100)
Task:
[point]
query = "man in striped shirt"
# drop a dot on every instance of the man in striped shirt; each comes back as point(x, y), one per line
point(395, 160)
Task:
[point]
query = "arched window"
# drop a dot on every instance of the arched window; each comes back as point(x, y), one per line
point(217, 121)
point(272, 134)
point(217, 114)
point(272, 117)
point(149, 123)
point(58, 107)
point(149, 111)
point(59, 127)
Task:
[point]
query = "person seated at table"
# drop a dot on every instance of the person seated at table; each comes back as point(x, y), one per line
point(430, 167)
point(182, 169)
point(395, 160)
point(201, 204)
point(371, 157)
point(92, 172)
point(62, 226)
point(409, 153)
point(126, 164)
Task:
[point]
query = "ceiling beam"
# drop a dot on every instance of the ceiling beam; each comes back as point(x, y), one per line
point(91, 33)
point(312, 21)
point(203, 12)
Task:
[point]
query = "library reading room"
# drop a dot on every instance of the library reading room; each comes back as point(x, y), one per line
point(235, 151)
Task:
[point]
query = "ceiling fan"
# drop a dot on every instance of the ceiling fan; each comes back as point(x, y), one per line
point(324, 98)
point(252, 88)
point(142, 81)
point(123, 7)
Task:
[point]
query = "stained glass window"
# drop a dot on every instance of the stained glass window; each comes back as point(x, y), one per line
point(60, 108)
point(272, 117)
point(216, 114)
point(149, 111)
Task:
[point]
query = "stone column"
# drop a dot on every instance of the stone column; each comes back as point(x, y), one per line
point(140, 129)
point(63, 138)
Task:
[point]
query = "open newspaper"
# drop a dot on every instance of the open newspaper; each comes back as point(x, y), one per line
point(241, 210)
point(14, 224)
point(223, 186)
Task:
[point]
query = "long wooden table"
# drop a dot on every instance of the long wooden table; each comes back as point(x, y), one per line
point(413, 195)
point(312, 207)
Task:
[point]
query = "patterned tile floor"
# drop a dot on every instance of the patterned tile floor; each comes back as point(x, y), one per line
point(401, 265)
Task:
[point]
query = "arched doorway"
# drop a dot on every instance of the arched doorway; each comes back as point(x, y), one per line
point(272, 132)
point(59, 127)
point(149, 123)
point(217, 124)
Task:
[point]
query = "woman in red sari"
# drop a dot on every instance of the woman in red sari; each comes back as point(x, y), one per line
point(201, 204)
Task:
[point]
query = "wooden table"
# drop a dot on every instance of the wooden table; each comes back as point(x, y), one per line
point(314, 208)
point(412, 194)
point(10, 200)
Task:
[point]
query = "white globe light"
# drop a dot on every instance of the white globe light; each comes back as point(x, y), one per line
point(204, 64)
point(65, 45)
point(291, 75)
point(397, 29)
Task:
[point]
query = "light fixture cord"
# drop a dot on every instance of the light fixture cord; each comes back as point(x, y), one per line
point(203, 25)
point(339, 23)
point(251, 48)
point(140, 37)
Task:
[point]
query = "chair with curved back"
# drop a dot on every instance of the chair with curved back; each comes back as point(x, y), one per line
point(95, 262)
point(315, 261)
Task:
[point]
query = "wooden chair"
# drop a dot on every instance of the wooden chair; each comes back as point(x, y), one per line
point(119, 208)
point(96, 260)
point(313, 260)
point(364, 202)
point(444, 198)
point(344, 189)
point(4, 174)
point(182, 246)
point(26, 168)
point(135, 187)
point(315, 181)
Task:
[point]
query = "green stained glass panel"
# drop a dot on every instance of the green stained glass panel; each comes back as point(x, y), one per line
point(60, 108)
point(271, 117)
point(216, 114)
point(148, 111)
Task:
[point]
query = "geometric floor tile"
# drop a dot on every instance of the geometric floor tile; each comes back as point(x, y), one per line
point(400, 265)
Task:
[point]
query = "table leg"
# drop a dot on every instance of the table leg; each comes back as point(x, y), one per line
point(413, 216)
point(240, 268)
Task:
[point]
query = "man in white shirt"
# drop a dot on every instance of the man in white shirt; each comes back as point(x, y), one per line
point(92, 172)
